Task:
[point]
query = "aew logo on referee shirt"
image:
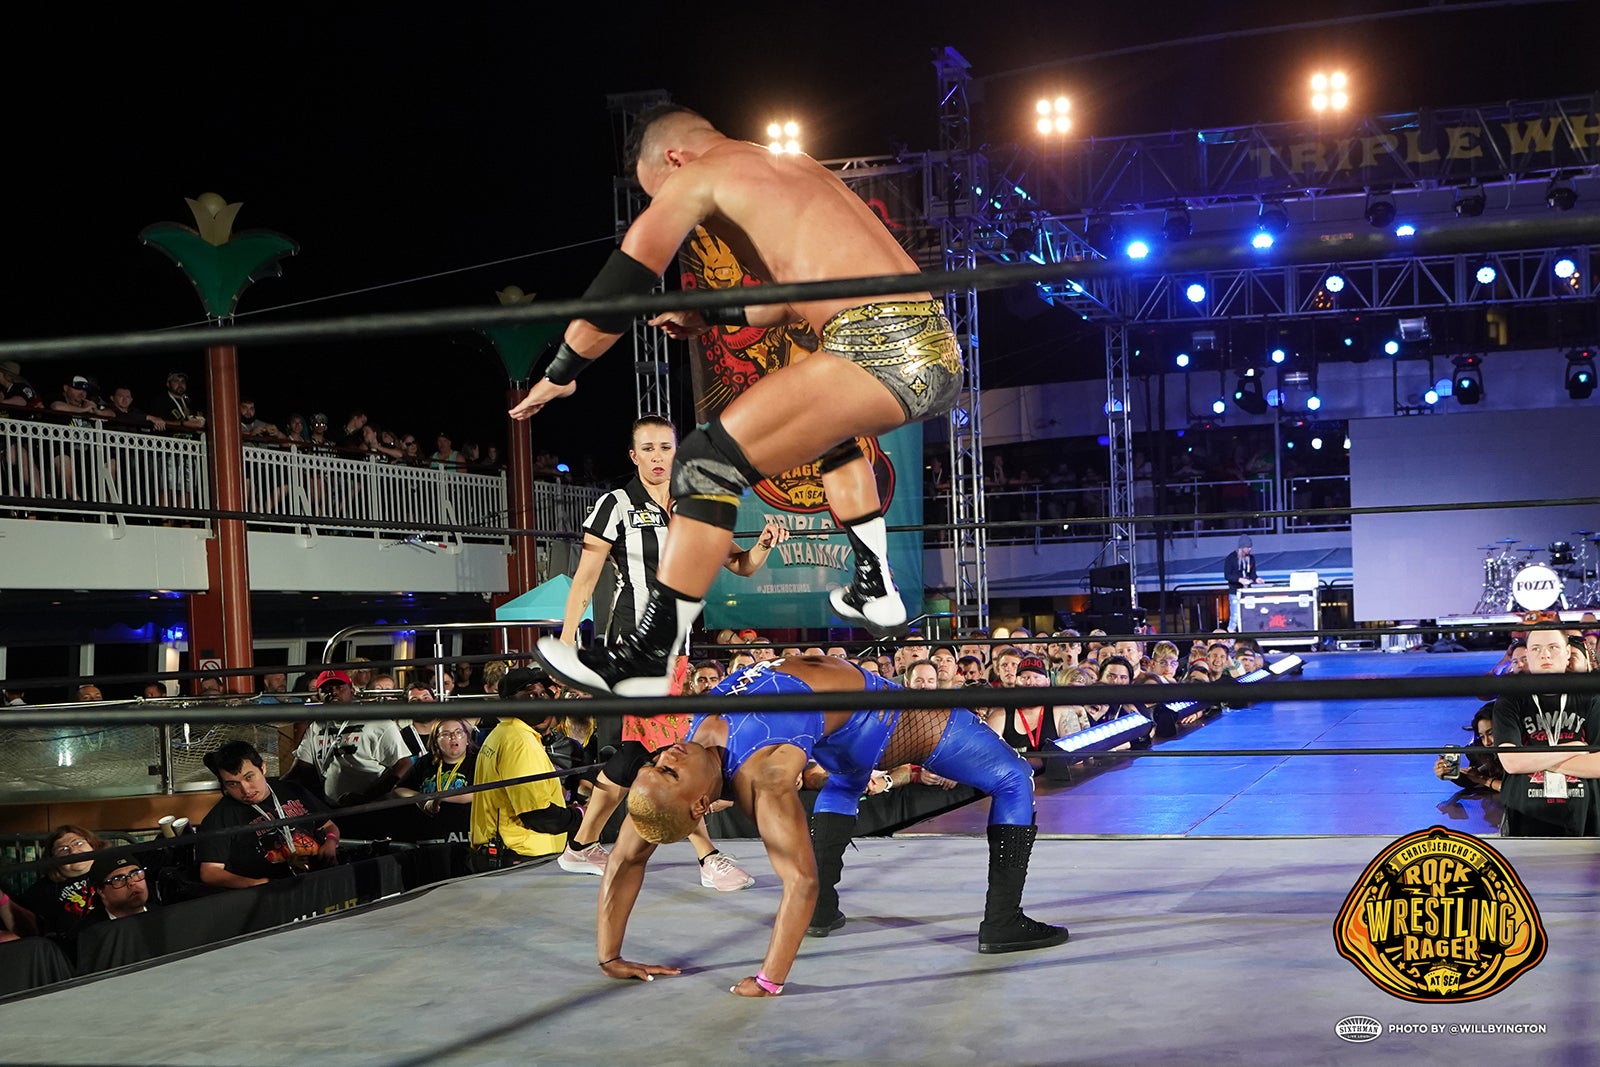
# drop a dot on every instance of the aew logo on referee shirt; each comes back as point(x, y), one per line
point(646, 519)
point(1440, 917)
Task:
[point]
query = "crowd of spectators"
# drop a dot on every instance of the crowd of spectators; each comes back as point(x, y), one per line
point(360, 745)
point(80, 400)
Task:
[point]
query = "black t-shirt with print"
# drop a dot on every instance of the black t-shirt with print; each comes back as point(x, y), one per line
point(1530, 809)
point(265, 853)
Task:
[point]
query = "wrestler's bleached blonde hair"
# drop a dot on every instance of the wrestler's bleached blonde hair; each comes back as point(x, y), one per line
point(657, 823)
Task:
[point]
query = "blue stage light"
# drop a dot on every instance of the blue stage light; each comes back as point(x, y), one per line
point(1261, 241)
point(1219, 406)
point(1487, 274)
point(1405, 229)
point(1196, 293)
point(1431, 397)
point(1334, 283)
point(1137, 249)
point(1391, 348)
point(1313, 402)
point(1566, 267)
point(1182, 359)
point(1279, 355)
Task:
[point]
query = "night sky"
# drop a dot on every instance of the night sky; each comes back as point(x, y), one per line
point(416, 148)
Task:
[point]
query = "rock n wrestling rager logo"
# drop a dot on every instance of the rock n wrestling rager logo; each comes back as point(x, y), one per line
point(1440, 917)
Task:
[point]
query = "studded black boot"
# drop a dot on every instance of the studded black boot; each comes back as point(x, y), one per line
point(1004, 927)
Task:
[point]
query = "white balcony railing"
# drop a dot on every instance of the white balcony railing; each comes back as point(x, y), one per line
point(297, 489)
point(53, 463)
point(64, 469)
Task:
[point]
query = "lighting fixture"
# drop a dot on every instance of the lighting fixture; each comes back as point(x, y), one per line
point(1176, 226)
point(1471, 202)
point(1247, 392)
point(1561, 195)
point(1580, 373)
point(1380, 211)
point(1467, 384)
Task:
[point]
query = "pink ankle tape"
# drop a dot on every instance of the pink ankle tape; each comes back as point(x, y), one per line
point(768, 984)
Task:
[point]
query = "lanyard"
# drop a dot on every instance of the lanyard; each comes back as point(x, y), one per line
point(445, 774)
point(325, 760)
point(1034, 732)
point(287, 831)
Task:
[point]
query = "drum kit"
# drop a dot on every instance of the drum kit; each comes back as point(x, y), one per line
point(1513, 583)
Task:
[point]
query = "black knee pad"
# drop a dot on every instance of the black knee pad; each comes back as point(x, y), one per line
point(840, 455)
point(709, 475)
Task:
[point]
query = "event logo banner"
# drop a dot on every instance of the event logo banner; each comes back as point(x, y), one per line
point(790, 592)
point(1440, 917)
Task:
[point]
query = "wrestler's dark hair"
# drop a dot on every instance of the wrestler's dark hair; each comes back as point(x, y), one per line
point(633, 146)
point(650, 420)
point(231, 757)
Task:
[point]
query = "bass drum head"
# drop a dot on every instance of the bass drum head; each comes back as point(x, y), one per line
point(1536, 587)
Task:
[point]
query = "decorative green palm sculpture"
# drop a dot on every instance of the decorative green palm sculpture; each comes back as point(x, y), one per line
point(220, 264)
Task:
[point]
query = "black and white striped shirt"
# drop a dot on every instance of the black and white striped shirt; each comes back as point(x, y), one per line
point(634, 525)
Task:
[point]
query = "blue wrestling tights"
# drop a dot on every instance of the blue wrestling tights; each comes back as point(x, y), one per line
point(971, 753)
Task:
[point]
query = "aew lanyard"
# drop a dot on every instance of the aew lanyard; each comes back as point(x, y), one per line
point(445, 774)
point(286, 830)
point(326, 761)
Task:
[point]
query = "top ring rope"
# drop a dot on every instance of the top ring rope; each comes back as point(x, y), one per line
point(1477, 687)
point(1192, 256)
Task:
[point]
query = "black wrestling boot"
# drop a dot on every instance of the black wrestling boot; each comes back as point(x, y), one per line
point(830, 834)
point(639, 663)
point(871, 598)
point(1004, 927)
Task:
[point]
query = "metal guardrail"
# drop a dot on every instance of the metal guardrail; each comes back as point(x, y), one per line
point(137, 473)
point(1227, 507)
point(290, 484)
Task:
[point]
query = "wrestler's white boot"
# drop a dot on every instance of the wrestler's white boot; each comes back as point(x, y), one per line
point(871, 598)
point(640, 663)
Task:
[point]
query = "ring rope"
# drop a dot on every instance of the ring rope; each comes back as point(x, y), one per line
point(259, 825)
point(1479, 687)
point(1192, 256)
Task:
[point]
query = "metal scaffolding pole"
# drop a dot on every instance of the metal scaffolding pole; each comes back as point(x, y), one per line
point(951, 180)
point(652, 374)
point(1119, 549)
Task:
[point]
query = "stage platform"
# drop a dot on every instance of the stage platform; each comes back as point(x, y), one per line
point(1202, 895)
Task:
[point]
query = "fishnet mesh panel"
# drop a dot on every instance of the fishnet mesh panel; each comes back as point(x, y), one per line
point(914, 737)
point(65, 762)
point(192, 744)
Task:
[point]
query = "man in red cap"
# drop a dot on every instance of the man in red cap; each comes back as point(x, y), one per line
point(349, 760)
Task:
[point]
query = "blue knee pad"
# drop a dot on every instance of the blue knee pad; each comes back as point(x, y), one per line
point(972, 754)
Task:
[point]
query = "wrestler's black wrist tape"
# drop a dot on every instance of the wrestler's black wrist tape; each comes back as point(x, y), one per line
point(729, 316)
point(621, 276)
point(566, 366)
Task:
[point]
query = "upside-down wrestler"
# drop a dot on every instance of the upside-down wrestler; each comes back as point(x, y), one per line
point(754, 761)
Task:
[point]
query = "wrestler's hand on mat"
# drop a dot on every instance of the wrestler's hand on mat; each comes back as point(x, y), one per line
point(645, 972)
point(681, 325)
point(747, 987)
point(543, 391)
